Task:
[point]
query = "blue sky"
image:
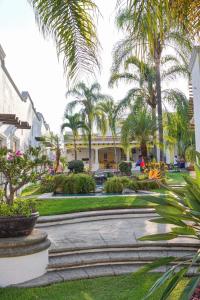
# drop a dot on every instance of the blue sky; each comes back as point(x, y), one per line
point(33, 64)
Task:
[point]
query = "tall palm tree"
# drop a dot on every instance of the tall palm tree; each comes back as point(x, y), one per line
point(52, 141)
point(111, 110)
point(150, 31)
point(138, 126)
point(87, 99)
point(74, 123)
point(71, 24)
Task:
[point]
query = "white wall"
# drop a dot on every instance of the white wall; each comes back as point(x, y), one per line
point(13, 102)
point(195, 72)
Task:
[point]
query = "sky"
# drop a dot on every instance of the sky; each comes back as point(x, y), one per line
point(32, 61)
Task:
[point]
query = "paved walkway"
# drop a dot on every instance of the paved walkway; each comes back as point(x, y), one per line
point(120, 229)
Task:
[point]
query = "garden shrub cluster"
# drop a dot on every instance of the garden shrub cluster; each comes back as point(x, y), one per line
point(69, 184)
point(76, 166)
point(125, 167)
point(20, 207)
point(117, 184)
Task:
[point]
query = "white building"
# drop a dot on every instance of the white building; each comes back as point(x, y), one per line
point(195, 73)
point(20, 123)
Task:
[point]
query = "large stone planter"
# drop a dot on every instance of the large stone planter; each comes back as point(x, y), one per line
point(23, 258)
point(17, 226)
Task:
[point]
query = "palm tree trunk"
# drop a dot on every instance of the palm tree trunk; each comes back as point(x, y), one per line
point(159, 104)
point(90, 150)
point(115, 152)
point(154, 133)
point(143, 147)
point(58, 154)
point(75, 149)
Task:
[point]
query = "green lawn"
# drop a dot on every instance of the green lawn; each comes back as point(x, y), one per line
point(175, 178)
point(60, 206)
point(125, 287)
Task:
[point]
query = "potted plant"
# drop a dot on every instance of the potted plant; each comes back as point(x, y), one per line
point(18, 217)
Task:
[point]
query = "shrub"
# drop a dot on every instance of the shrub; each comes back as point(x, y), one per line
point(76, 166)
point(20, 207)
point(47, 184)
point(74, 184)
point(114, 185)
point(125, 167)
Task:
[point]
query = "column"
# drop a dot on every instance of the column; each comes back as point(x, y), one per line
point(128, 155)
point(96, 159)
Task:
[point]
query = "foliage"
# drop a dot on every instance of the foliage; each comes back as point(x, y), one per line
point(76, 166)
point(183, 212)
point(155, 170)
point(87, 99)
point(74, 123)
point(125, 167)
point(20, 169)
point(20, 207)
point(47, 184)
point(113, 185)
point(74, 184)
point(71, 24)
point(138, 126)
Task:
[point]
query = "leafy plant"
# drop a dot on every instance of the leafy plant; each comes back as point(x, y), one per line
point(183, 213)
point(74, 184)
point(21, 207)
point(20, 168)
point(76, 166)
point(125, 167)
point(113, 185)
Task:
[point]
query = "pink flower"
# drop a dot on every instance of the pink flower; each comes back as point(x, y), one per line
point(10, 156)
point(18, 153)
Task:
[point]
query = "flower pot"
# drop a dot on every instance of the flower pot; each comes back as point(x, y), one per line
point(15, 226)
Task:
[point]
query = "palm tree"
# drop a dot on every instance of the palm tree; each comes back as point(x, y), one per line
point(52, 141)
point(71, 24)
point(138, 126)
point(112, 114)
point(149, 32)
point(74, 123)
point(87, 99)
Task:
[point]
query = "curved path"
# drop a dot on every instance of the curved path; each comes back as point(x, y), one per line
point(90, 244)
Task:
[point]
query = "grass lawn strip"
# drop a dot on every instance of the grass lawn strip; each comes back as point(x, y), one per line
point(124, 287)
point(47, 207)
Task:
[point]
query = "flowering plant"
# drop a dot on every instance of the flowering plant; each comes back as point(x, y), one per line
point(19, 168)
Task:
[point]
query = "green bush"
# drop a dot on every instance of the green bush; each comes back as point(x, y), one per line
point(117, 184)
point(125, 167)
point(20, 207)
point(76, 166)
point(74, 184)
point(113, 185)
point(47, 184)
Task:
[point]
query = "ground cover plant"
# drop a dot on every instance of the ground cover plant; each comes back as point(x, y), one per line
point(123, 287)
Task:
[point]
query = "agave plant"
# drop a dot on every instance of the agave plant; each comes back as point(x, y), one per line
point(183, 212)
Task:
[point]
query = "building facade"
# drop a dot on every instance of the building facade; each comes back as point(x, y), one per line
point(20, 123)
point(195, 73)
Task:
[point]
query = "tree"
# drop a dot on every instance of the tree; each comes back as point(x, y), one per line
point(87, 99)
point(138, 126)
point(112, 114)
point(150, 31)
point(53, 142)
point(71, 24)
point(74, 123)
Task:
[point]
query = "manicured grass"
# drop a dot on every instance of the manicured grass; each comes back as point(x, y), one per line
point(32, 189)
point(60, 206)
point(125, 287)
point(175, 178)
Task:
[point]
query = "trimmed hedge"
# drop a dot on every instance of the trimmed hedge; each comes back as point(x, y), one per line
point(117, 184)
point(76, 166)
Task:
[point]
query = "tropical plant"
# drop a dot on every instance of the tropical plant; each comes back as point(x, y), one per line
point(74, 123)
point(87, 99)
point(150, 32)
point(76, 166)
point(111, 110)
point(138, 126)
point(71, 24)
point(52, 141)
point(20, 169)
point(125, 167)
point(183, 213)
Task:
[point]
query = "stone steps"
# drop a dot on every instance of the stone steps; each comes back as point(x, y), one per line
point(68, 264)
